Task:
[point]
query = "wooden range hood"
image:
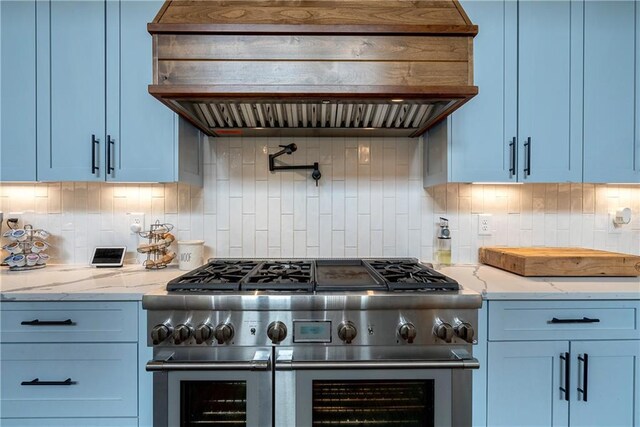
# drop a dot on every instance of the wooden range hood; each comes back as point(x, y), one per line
point(313, 67)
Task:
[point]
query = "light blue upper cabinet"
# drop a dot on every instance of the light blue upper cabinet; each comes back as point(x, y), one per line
point(549, 91)
point(142, 129)
point(525, 125)
point(96, 119)
point(610, 143)
point(482, 131)
point(71, 90)
point(18, 89)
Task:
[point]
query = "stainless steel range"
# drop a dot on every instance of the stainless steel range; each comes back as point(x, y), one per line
point(312, 342)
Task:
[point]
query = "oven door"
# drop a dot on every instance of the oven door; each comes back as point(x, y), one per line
point(344, 392)
point(212, 392)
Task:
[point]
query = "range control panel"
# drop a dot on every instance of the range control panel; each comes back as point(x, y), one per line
point(334, 328)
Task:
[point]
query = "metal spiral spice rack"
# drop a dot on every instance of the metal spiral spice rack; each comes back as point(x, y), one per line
point(26, 247)
point(157, 250)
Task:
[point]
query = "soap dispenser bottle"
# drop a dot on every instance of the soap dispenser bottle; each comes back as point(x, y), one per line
point(443, 244)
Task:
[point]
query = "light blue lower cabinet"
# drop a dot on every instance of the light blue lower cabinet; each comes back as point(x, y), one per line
point(523, 384)
point(69, 380)
point(562, 363)
point(69, 422)
point(612, 375)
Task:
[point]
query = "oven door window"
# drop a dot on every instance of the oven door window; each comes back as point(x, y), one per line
point(220, 403)
point(370, 397)
point(218, 398)
point(382, 402)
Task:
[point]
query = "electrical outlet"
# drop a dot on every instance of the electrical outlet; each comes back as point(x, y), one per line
point(136, 222)
point(485, 225)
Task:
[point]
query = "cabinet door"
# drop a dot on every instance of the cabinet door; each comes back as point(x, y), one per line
point(611, 377)
point(142, 128)
point(609, 76)
point(549, 84)
point(484, 128)
point(523, 384)
point(71, 90)
point(18, 101)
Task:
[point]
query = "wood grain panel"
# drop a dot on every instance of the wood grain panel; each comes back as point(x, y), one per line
point(395, 48)
point(313, 13)
point(312, 73)
point(561, 261)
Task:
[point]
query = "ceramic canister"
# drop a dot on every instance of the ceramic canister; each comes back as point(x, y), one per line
point(190, 254)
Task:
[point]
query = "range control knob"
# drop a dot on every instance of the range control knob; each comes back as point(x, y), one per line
point(277, 331)
point(203, 333)
point(182, 333)
point(347, 331)
point(465, 331)
point(444, 331)
point(407, 332)
point(159, 333)
point(224, 333)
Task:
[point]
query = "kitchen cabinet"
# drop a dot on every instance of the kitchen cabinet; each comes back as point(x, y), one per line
point(473, 144)
point(611, 142)
point(18, 87)
point(544, 355)
point(526, 124)
point(90, 356)
point(96, 120)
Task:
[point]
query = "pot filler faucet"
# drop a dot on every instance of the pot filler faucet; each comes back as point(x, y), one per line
point(290, 149)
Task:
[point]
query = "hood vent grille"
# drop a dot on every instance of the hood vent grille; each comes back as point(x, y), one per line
point(264, 115)
point(299, 68)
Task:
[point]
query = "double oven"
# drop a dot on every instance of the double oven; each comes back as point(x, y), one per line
point(329, 360)
point(307, 342)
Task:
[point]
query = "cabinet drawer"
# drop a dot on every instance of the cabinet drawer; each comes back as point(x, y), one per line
point(69, 322)
point(563, 320)
point(69, 422)
point(104, 380)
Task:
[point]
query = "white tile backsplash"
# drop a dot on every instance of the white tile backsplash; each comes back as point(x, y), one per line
point(369, 203)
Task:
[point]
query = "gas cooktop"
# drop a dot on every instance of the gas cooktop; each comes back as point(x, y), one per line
point(309, 276)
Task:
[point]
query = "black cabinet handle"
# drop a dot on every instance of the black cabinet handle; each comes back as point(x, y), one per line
point(583, 320)
point(585, 376)
point(567, 372)
point(37, 322)
point(94, 164)
point(512, 157)
point(110, 143)
point(527, 159)
point(37, 381)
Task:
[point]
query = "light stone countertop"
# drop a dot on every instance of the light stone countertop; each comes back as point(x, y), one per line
point(83, 283)
point(131, 282)
point(496, 284)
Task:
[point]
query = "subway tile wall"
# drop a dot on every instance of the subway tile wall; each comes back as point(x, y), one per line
point(369, 203)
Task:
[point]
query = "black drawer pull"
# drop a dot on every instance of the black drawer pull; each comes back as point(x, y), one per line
point(36, 322)
point(36, 381)
point(583, 320)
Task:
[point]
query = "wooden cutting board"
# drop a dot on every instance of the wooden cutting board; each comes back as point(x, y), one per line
point(560, 261)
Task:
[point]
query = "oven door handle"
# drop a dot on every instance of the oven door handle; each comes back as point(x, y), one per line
point(376, 364)
point(261, 362)
point(159, 365)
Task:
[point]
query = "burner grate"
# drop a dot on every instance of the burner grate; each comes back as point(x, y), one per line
point(407, 274)
point(217, 275)
point(281, 275)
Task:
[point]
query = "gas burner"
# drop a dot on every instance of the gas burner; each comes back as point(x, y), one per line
point(281, 275)
point(217, 275)
point(406, 274)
